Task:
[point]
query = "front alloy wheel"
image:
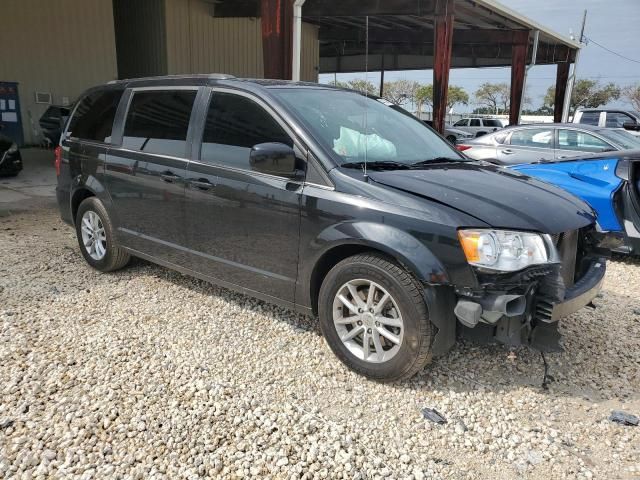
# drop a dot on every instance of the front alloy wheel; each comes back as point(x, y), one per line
point(368, 321)
point(373, 314)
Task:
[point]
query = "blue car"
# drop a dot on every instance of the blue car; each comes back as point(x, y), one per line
point(609, 182)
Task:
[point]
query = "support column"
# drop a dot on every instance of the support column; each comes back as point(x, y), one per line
point(442, 43)
point(562, 77)
point(518, 65)
point(277, 38)
point(382, 77)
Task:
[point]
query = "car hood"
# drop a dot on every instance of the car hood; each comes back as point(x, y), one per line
point(496, 196)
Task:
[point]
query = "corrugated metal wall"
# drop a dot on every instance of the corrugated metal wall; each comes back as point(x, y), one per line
point(60, 47)
point(200, 43)
point(140, 38)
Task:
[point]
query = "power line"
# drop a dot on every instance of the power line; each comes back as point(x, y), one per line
point(610, 51)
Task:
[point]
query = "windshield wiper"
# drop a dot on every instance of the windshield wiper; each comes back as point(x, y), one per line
point(378, 165)
point(437, 160)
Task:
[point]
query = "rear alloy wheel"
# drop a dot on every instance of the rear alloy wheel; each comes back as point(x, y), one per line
point(96, 238)
point(374, 317)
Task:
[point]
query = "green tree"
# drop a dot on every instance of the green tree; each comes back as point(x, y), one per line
point(586, 93)
point(424, 96)
point(456, 95)
point(493, 96)
point(632, 93)
point(401, 92)
point(359, 85)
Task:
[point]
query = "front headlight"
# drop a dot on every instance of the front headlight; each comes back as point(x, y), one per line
point(503, 250)
point(13, 148)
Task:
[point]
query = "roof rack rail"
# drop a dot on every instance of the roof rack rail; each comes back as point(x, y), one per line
point(211, 76)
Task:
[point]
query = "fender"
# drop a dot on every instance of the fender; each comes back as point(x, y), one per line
point(594, 181)
point(94, 185)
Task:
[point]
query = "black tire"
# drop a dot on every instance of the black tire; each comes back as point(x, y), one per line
point(115, 257)
point(415, 350)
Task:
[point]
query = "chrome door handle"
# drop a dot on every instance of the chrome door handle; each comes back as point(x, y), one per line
point(169, 177)
point(508, 151)
point(201, 183)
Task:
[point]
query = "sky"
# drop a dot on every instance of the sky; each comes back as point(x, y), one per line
point(615, 24)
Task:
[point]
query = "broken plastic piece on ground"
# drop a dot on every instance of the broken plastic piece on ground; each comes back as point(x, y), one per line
point(433, 415)
point(624, 418)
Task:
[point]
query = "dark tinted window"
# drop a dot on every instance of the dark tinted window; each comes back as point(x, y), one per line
point(590, 118)
point(462, 123)
point(617, 119)
point(93, 119)
point(157, 122)
point(234, 125)
point(475, 122)
point(492, 123)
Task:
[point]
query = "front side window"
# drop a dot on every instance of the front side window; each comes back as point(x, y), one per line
point(93, 118)
point(234, 125)
point(581, 141)
point(462, 123)
point(617, 119)
point(533, 137)
point(353, 128)
point(158, 121)
point(590, 118)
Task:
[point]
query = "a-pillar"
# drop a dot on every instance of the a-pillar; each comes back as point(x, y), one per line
point(277, 38)
point(562, 78)
point(519, 49)
point(442, 43)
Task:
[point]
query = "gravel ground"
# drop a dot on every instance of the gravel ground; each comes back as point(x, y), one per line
point(145, 373)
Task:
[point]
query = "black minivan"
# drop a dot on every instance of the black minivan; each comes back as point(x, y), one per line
point(329, 202)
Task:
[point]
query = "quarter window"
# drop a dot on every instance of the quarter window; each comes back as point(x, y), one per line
point(581, 141)
point(533, 137)
point(93, 119)
point(158, 121)
point(233, 126)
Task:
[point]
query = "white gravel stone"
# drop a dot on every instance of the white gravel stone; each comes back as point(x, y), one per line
point(145, 373)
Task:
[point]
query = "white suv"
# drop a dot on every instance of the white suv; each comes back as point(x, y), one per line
point(609, 119)
point(478, 126)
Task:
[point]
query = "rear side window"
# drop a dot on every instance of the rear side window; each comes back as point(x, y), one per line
point(590, 118)
point(492, 123)
point(234, 125)
point(475, 122)
point(158, 121)
point(533, 137)
point(93, 119)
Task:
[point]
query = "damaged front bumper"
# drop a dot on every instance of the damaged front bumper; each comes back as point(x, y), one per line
point(524, 308)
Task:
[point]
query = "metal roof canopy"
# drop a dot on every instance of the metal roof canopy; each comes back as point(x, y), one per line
point(401, 35)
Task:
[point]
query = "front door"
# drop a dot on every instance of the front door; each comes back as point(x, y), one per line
point(146, 172)
point(242, 226)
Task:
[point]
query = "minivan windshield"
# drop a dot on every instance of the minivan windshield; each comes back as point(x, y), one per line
point(354, 128)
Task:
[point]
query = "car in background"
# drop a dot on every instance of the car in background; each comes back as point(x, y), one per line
point(546, 142)
point(453, 135)
point(10, 158)
point(52, 121)
point(609, 118)
point(609, 182)
point(479, 126)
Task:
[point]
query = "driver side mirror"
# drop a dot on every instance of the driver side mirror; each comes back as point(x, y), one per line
point(631, 126)
point(274, 159)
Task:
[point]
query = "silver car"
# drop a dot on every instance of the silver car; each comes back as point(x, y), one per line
point(549, 141)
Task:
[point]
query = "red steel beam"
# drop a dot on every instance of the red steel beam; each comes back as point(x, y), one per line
point(562, 78)
point(442, 41)
point(277, 38)
point(518, 66)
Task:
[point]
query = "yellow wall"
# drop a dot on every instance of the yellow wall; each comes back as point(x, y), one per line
point(61, 47)
point(200, 43)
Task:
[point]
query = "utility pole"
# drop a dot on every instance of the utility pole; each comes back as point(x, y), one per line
point(572, 78)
